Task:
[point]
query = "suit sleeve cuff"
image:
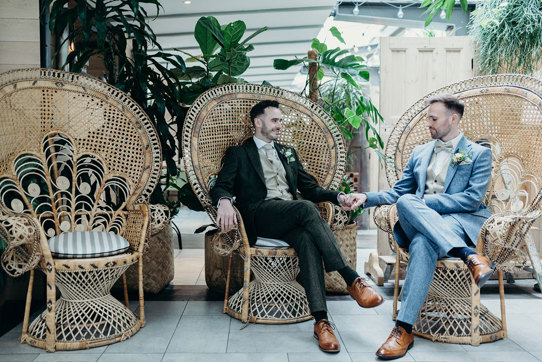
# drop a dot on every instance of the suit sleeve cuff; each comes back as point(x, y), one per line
point(339, 198)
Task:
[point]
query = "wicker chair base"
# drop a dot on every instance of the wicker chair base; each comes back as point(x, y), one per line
point(86, 314)
point(274, 295)
point(452, 311)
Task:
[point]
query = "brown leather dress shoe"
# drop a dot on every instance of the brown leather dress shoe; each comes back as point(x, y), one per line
point(366, 296)
point(480, 268)
point(397, 344)
point(323, 332)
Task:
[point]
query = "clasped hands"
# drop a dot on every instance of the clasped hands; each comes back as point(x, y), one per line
point(226, 218)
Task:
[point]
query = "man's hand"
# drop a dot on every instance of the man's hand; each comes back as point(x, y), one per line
point(352, 201)
point(225, 216)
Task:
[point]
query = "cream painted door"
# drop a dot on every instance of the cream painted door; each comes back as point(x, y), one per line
point(409, 69)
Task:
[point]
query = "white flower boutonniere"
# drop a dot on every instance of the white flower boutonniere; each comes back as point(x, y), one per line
point(288, 153)
point(461, 158)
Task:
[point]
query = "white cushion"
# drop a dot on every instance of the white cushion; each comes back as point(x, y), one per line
point(87, 244)
point(271, 243)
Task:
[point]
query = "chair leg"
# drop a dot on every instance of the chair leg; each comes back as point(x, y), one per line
point(503, 311)
point(246, 289)
point(27, 306)
point(50, 339)
point(125, 285)
point(476, 338)
point(227, 291)
point(396, 286)
point(141, 295)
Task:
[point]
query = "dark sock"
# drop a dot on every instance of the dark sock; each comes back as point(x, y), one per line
point(348, 274)
point(406, 326)
point(462, 253)
point(318, 316)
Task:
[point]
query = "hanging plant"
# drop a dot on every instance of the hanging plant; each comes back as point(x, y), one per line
point(508, 35)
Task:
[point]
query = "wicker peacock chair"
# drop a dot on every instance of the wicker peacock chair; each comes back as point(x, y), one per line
point(503, 112)
point(76, 155)
point(218, 119)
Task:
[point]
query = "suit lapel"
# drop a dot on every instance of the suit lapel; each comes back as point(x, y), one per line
point(254, 157)
point(289, 177)
point(462, 145)
point(424, 164)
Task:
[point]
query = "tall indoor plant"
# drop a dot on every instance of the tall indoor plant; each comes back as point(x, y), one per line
point(508, 36)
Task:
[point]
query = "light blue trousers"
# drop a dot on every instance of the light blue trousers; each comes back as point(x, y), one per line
point(431, 237)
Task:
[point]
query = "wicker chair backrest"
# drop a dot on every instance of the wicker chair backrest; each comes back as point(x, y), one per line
point(219, 118)
point(503, 112)
point(75, 152)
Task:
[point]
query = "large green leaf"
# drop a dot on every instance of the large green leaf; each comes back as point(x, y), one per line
point(337, 34)
point(233, 34)
point(214, 27)
point(283, 64)
point(205, 38)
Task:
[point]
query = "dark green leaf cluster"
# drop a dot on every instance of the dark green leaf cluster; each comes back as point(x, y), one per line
point(435, 6)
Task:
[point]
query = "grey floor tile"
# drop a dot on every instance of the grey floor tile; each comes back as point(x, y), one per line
point(19, 357)
point(67, 356)
point(319, 356)
point(347, 307)
point(537, 355)
point(371, 356)
point(363, 333)
point(162, 319)
point(434, 356)
point(306, 327)
point(501, 357)
point(426, 345)
point(204, 308)
point(497, 346)
point(225, 357)
point(201, 334)
point(270, 342)
point(131, 357)
point(524, 329)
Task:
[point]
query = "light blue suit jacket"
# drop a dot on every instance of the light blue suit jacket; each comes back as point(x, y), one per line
point(464, 187)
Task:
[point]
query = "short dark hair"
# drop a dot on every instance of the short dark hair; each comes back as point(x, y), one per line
point(260, 107)
point(451, 102)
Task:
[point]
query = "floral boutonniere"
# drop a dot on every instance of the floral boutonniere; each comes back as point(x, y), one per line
point(288, 153)
point(461, 158)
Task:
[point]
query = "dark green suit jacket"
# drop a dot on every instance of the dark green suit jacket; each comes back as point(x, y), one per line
point(242, 176)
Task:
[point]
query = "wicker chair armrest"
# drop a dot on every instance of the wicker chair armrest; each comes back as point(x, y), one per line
point(138, 229)
point(228, 242)
point(339, 218)
point(25, 240)
point(502, 238)
point(327, 211)
point(385, 216)
point(159, 218)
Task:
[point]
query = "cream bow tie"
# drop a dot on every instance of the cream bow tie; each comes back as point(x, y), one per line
point(444, 146)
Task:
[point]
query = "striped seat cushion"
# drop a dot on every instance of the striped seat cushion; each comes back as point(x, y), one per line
point(87, 244)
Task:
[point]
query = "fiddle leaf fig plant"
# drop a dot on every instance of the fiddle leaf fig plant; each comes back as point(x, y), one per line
point(343, 89)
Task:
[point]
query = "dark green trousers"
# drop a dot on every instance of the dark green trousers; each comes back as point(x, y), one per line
point(298, 222)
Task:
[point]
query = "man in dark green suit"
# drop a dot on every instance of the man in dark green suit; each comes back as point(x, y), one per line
point(265, 178)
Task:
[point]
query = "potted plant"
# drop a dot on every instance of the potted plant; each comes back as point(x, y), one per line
point(508, 36)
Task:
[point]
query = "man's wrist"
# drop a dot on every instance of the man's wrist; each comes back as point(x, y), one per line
point(339, 198)
point(224, 197)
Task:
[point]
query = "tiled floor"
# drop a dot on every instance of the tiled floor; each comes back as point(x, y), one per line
point(185, 323)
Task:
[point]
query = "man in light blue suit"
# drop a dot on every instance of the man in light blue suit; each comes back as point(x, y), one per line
point(439, 205)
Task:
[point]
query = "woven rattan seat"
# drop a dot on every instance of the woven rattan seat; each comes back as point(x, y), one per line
point(219, 119)
point(76, 155)
point(503, 112)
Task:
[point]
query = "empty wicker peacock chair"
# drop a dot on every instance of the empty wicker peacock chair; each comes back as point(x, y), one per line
point(218, 119)
point(503, 112)
point(78, 161)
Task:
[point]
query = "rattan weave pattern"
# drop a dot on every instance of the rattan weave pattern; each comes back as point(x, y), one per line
point(218, 119)
point(76, 154)
point(503, 112)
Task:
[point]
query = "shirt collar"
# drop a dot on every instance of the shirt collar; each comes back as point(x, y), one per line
point(454, 141)
point(260, 143)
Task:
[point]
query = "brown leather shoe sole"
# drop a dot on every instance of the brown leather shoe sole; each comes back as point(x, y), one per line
point(326, 350)
point(371, 306)
point(395, 357)
point(485, 277)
